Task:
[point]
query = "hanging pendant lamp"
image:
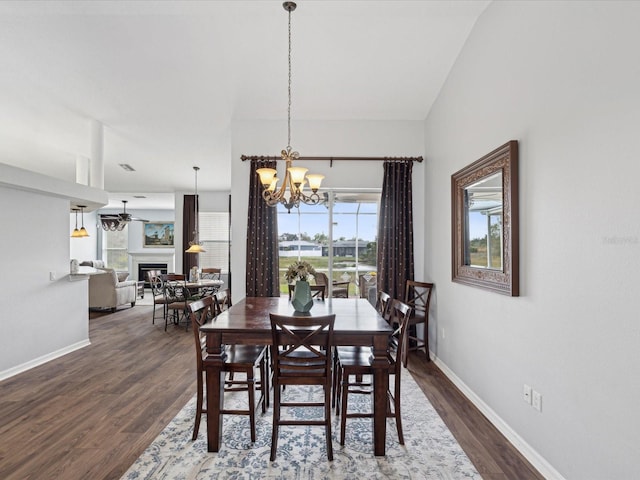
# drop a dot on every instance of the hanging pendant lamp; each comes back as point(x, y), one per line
point(82, 232)
point(195, 246)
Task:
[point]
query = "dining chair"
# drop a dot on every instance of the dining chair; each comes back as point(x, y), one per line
point(212, 273)
point(239, 359)
point(209, 274)
point(222, 301)
point(418, 296)
point(301, 355)
point(383, 307)
point(177, 297)
point(367, 285)
point(356, 373)
point(154, 277)
point(339, 289)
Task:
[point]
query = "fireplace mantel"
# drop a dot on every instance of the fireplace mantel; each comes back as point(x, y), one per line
point(151, 257)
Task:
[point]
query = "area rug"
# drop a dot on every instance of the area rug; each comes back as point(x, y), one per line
point(430, 451)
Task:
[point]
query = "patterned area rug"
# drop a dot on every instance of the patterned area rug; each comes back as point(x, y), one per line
point(430, 451)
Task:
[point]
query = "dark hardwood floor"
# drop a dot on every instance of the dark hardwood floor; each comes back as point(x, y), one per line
point(91, 413)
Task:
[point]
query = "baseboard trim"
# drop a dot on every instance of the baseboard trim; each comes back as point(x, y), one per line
point(43, 359)
point(544, 467)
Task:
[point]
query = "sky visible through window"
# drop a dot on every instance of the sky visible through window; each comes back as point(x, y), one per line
point(312, 219)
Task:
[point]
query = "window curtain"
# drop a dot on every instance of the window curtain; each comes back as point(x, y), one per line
point(262, 239)
point(395, 229)
point(188, 226)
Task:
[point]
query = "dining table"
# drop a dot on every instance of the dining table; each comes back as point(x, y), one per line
point(247, 322)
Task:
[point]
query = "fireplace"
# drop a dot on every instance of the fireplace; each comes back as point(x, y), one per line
point(165, 260)
point(143, 268)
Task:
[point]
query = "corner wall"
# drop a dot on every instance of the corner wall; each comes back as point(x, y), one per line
point(40, 319)
point(561, 78)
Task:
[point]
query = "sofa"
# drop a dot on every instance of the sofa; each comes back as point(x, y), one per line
point(107, 291)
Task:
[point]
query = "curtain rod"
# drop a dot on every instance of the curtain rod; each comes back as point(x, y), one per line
point(331, 159)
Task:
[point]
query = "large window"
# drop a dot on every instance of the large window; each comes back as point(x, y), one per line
point(338, 236)
point(115, 252)
point(214, 235)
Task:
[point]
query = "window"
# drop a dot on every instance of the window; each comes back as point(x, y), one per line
point(214, 235)
point(115, 252)
point(338, 236)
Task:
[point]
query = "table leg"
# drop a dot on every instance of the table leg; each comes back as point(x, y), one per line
point(213, 365)
point(380, 365)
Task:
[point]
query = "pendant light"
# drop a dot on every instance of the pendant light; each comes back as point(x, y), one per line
point(82, 232)
point(195, 246)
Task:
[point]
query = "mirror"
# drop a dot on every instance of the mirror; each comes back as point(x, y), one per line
point(485, 222)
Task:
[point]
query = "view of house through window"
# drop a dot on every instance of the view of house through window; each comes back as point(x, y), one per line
point(214, 234)
point(338, 237)
point(115, 252)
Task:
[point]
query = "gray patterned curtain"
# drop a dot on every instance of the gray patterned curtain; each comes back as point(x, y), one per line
point(395, 229)
point(188, 226)
point(262, 239)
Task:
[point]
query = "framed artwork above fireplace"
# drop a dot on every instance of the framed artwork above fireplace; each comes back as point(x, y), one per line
point(158, 235)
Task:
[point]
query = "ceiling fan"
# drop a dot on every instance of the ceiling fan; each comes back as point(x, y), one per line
point(117, 221)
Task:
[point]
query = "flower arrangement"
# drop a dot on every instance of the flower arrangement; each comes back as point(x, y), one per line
point(299, 271)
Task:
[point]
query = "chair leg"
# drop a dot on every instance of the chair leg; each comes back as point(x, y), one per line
point(276, 422)
point(396, 409)
point(196, 427)
point(344, 386)
point(327, 419)
point(264, 386)
point(251, 387)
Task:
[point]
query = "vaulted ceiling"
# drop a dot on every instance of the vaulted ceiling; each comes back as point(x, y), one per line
point(166, 79)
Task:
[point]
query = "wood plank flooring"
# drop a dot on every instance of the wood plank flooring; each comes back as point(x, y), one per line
point(91, 413)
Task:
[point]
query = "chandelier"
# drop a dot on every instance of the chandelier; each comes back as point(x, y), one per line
point(291, 192)
point(194, 245)
point(83, 231)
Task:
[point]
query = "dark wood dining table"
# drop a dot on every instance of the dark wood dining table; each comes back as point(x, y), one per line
point(247, 322)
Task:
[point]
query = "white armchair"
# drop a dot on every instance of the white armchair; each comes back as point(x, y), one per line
point(106, 291)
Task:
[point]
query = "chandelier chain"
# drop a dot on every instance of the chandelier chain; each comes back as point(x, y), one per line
point(290, 193)
point(289, 89)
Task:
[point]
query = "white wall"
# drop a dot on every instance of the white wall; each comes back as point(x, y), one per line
point(39, 319)
point(320, 139)
point(563, 79)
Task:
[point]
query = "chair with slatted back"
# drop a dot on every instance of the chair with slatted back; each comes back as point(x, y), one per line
point(239, 359)
point(355, 375)
point(301, 353)
point(418, 296)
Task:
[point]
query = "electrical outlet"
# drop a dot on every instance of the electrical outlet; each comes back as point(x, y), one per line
point(536, 400)
point(52, 276)
point(526, 393)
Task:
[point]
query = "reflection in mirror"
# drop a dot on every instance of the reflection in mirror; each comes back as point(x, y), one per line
point(483, 223)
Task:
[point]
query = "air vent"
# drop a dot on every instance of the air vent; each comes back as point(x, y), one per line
point(127, 167)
